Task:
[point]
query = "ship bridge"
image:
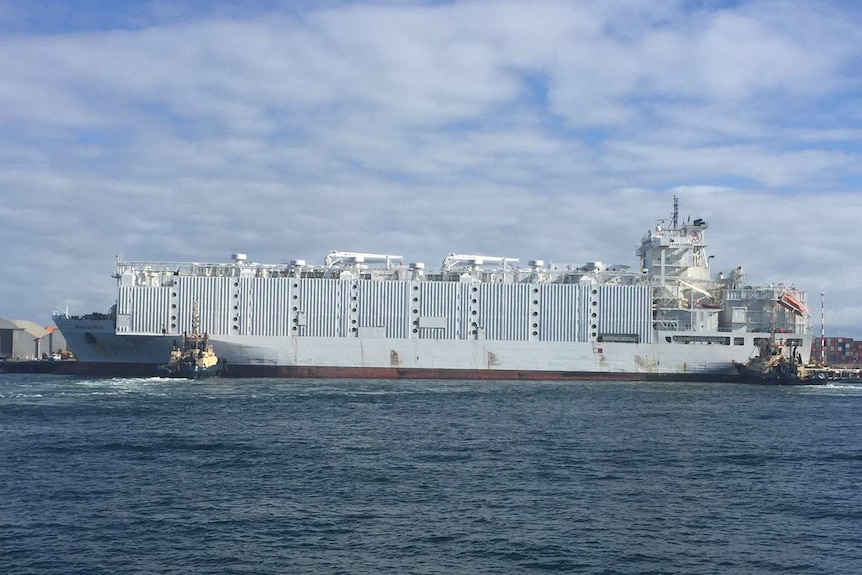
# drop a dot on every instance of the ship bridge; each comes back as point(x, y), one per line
point(674, 256)
point(676, 252)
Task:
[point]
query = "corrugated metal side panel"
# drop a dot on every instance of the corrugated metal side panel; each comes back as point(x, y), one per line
point(436, 300)
point(449, 300)
point(148, 308)
point(384, 303)
point(266, 303)
point(125, 297)
point(626, 310)
point(562, 313)
point(215, 307)
point(504, 311)
point(325, 305)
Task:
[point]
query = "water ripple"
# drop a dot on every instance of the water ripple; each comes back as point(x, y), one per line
point(418, 477)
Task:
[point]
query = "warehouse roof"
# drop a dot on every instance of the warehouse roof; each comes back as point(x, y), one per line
point(33, 329)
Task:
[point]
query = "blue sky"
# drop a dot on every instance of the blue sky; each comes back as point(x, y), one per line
point(548, 130)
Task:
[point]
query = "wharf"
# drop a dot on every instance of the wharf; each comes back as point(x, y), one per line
point(843, 374)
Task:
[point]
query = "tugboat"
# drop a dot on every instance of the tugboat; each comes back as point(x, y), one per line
point(779, 364)
point(196, 359)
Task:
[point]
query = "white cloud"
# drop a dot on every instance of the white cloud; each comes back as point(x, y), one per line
point(548, 130)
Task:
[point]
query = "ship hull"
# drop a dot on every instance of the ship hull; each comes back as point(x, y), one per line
point(101, 352)
point(106, 369)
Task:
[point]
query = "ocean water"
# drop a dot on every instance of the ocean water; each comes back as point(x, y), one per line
point(360, 477)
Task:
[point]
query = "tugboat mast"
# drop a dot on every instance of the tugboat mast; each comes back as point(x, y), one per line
point(196, 318)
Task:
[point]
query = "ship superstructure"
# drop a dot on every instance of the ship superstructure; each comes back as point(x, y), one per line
point(488, 317)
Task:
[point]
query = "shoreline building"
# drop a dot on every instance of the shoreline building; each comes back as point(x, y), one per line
point(25, 340)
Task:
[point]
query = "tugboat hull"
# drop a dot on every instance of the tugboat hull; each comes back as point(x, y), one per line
point(190, 371)
point(778, 377)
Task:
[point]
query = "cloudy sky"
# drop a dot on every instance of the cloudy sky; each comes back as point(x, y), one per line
point(554, 130)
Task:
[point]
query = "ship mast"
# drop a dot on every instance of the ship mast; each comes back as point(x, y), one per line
point(822, 331)
point(675, 219)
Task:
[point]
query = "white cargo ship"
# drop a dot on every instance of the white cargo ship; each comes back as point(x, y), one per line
point(476, 317)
